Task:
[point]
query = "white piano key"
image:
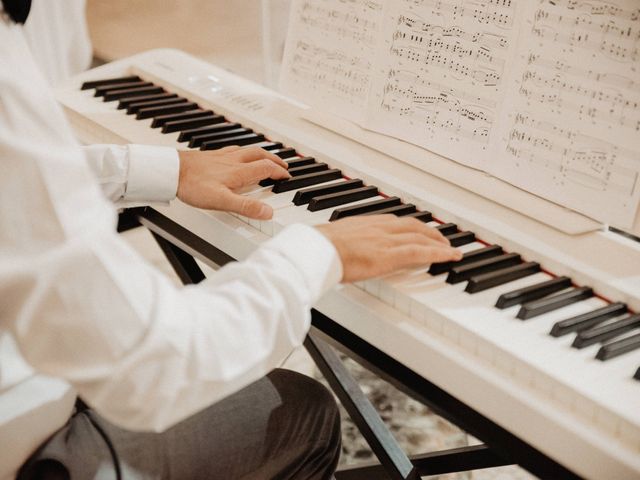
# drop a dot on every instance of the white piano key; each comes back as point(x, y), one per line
point(285, 199)
point(294, 214)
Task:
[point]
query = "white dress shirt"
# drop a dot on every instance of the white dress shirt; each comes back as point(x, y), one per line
point(80, 311)
point(57, 33)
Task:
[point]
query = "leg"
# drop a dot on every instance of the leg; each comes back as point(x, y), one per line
point(285, 426)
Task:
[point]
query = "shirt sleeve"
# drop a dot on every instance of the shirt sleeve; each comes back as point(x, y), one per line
point(132, 175)
point(84, 307)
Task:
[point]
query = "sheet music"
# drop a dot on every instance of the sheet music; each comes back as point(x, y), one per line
point(544, 94)
point(442, 75)
point(329, 53)
point(572, 118)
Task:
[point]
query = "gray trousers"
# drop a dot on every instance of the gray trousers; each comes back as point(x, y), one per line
point(284, 426)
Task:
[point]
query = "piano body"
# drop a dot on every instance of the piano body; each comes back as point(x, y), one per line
point(581, 411)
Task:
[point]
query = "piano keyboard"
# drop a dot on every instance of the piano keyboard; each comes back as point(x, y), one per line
point(525, 290)
point(514, 324)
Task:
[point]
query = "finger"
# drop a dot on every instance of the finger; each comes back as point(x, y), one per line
point(413, 238)
point(224, 150)
point(436, 235)
point(408, 224)
point(251, 154)
point(247, 206)
point(410, 255)
point(260, 169)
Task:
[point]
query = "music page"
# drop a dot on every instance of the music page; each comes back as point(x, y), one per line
point(544, 94)
point(441, 74)
point(571, 120)
point(329, 54)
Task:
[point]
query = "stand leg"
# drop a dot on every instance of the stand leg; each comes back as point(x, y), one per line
point(396, 463)
point(183, 263)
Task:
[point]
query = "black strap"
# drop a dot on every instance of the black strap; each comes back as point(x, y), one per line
point(18, 10)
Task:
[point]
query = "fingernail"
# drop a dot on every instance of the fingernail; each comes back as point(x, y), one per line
point(265, 212)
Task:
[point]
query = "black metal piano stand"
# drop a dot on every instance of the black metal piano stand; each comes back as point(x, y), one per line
point(500, 447)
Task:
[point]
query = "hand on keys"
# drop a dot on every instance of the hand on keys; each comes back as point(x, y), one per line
point(375, 245)
point(211, 179)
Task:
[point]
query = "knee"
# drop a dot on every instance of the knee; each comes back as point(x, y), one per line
point(311, 398)
point(310, 421)
point(301, 390)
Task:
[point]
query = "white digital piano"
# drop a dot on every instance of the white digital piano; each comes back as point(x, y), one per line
point(531, 342)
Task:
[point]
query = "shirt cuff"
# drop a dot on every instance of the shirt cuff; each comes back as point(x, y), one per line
point(153, 174)
point(313, 254)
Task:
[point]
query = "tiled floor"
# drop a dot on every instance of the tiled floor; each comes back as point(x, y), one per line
point(229, 34)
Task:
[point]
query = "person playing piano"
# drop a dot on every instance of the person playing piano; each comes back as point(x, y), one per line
point(180, 382)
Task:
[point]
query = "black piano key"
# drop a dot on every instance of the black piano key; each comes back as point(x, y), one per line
point(397, 210)
point(125, 102)
point(240, 140)
point(462, 273)
point(607, 331)
point(161, 120)
point(197, 140)
point(285, 152)
point(299, 162)
point(425, 217)
point(296, 169)
point(616, 348)
point(137, 106)
point(489, 280)
point(108, 81)
point(533, 292)
point(547, 304)
point(467, 258)
point(447, 228)
point(304, 169)
point(308, 180)
point(303, 197)
point(637, 374)
point(102, 90)
point(187, 135)
point(335, 199)
point(588, 320)
point(461, 238)
point(112, 95)
point(363, 208)
point(186, 124)
point(272, 146)
point(151, 112)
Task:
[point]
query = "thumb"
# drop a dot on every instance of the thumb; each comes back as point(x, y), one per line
point(246, 206)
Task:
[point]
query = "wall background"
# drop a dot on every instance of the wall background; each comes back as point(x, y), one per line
point(227, 33)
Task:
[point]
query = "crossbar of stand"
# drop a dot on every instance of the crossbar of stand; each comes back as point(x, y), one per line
point(502, 447)
point(474, 457)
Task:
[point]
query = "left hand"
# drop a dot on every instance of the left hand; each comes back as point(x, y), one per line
point(210, 179)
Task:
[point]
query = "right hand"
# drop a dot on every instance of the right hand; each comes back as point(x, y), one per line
point(375, 245)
